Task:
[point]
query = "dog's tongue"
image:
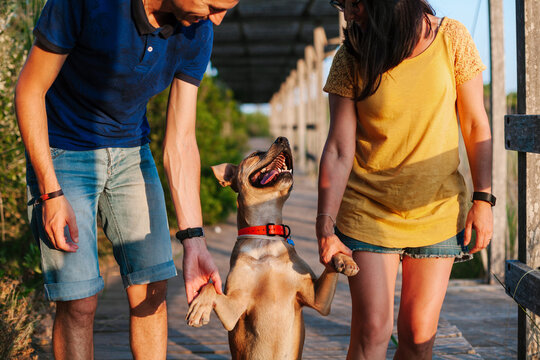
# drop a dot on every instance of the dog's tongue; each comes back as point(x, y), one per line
point(269, 176)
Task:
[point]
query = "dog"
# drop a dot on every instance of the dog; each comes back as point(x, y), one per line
point(268, 283)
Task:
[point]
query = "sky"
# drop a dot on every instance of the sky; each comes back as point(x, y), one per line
point(465, 11)
point(475, 16)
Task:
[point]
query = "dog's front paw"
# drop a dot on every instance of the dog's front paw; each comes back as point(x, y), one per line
point(201, 307)
point(344, 264)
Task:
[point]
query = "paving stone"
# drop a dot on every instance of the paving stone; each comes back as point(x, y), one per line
point(103, 354)
point(458, 357)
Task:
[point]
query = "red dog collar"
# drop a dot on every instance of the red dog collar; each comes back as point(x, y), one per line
point(268, 230)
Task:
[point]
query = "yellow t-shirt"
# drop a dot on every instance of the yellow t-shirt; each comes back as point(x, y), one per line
point(404, 189)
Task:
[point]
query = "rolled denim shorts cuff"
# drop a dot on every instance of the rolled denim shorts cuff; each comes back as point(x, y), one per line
point(450, 248)
point(149, 275)
point(73, 290)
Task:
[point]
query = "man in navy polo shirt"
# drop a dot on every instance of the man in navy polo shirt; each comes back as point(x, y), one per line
point(81, 105)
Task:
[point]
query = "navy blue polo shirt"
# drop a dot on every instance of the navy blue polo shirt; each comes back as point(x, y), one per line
point(117, 61)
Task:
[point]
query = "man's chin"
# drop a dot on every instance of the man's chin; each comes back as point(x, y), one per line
point(188, 22)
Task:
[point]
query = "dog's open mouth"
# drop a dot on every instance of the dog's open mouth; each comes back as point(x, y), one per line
point(268, 175)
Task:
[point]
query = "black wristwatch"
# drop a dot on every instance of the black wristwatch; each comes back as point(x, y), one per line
point(189, 233)
point(484, 196)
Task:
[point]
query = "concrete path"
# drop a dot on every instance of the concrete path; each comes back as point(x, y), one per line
point(478, 321)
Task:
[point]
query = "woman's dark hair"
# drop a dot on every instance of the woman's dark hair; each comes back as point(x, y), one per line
point(391, 31)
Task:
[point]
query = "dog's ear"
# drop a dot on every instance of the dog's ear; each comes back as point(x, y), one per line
point(226, 174)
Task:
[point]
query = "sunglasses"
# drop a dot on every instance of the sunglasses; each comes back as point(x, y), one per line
point(339, 6)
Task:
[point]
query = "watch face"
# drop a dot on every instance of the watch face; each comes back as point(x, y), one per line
point(195, 232)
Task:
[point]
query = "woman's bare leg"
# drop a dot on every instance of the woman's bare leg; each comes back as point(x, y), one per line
point(422, 294)
point(372, 294)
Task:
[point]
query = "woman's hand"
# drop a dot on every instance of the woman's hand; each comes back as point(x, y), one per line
point(480, 218)
point(329, 243)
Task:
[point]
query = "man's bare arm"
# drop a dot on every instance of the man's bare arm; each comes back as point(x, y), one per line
point(38, 74)
point(182, 165)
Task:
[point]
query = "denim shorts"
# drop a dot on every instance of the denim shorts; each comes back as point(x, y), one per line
point(121, 187)
point(452, 247)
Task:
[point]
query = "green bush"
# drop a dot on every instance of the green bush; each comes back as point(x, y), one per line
point(222, 134)
point(256, 124)
point(19, 255)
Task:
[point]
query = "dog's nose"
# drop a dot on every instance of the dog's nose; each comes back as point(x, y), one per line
point(281, 140)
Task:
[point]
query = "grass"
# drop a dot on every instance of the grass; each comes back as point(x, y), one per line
point(17, 322)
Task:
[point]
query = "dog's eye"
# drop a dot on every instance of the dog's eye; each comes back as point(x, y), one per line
point(256, 153)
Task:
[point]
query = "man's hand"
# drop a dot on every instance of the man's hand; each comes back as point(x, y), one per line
point(480, 218)
point(57, 213)
point(199, 268)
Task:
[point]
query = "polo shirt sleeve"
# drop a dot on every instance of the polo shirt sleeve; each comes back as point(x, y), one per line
point(196, 58)
point(59, 25)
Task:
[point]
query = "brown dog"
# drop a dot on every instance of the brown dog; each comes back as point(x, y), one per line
point(268, 282)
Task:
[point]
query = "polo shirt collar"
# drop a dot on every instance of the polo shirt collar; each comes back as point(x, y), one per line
point(143, 25)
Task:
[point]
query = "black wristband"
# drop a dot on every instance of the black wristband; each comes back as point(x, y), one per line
point(189, 233)
point(50, 195)
point(484, 196)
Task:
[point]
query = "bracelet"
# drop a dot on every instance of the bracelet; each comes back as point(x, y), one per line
point(189, 233)
point(484, 196)
point(49, 196)
point(325, 214)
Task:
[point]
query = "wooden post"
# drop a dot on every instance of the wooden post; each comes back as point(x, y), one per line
point(289, 107)
point(319, 40)
point(497, 247)
point(311, 139)
point(293, 139)
point(278, 127)
point(278, 117)
point(273, 118)
point(301, 120)
point(528, 58)
point(282, 111)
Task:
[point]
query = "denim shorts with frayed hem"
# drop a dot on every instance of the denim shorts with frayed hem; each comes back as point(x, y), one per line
point(452, 247)
point(121, 187)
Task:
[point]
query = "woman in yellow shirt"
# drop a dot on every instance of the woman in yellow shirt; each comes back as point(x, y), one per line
point(388, 173)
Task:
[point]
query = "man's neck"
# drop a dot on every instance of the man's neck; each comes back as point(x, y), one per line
point(157, 13)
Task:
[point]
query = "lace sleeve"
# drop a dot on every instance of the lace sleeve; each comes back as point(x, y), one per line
point(467, 61)
point(340, 79)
